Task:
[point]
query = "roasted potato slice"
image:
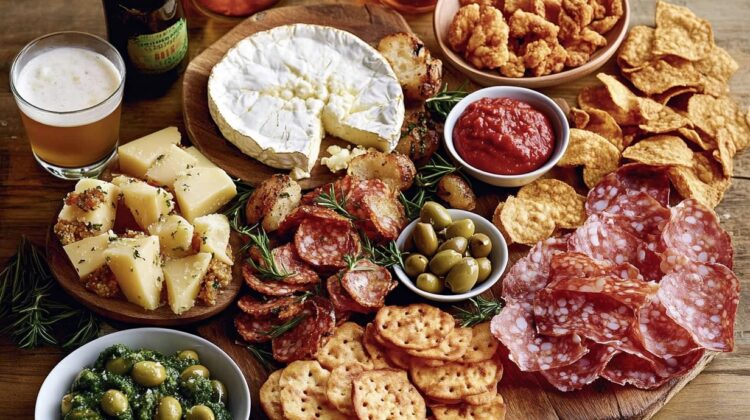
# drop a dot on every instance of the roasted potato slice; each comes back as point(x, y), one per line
point(272, 200)
point(394, 169)
point(455, 191)
point(419, 137)
point(419, 73)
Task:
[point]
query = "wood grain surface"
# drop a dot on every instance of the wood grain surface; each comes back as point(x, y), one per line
point(29, 198)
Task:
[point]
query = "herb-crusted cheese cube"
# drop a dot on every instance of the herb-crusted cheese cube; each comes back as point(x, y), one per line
point(87, 255)
point(146, 202)
point(203, 191)
point(136, 265)
point(175, 235)
point(168, 166)
point(203, 161)
point(138, 155)
point(213, 231)
point(99, 218)
point(183, 278)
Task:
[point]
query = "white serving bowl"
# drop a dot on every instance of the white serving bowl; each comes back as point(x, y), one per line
point(537, 100)
point(163, 340)
point(498, 257)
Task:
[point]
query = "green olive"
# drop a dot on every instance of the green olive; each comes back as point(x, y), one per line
point(114, 402)
point(415, 265)
point(195, 370)
point(188, 355)
point(485, 268)
point(463, 276)
point(66, 404)
point(480, 245)
point(463, 228)
point(119, 366)
point(430, 283)
point(149, 373)
point(169, 409)
point(83, 414)
point(218, 391)
point(443, 261)
point(200, 412)
point(435, 214)
point(457, 244)
point(425, 239)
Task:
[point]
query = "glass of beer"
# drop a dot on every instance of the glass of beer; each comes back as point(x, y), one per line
point(68, 87)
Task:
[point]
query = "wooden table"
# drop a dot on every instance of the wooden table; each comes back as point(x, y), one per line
point(29, 197)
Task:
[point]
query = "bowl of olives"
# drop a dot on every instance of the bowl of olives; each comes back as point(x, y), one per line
point(450, 255)
point(150, 373)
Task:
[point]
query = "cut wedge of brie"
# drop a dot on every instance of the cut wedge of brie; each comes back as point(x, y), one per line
point(276, 93)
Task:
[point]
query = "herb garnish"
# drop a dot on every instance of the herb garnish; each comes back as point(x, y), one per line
point(267, 269)
point(330, 201)
point(441, 104)
point(481, 310)
point(280, 329)
point(263, 356)
point(235, 211)
point(386, 255)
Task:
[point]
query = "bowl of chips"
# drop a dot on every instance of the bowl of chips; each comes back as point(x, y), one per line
point(527, 43)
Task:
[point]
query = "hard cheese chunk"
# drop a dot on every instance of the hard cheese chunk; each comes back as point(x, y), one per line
point(102, 217)
point(202, 191)
point(213, 231)
point(202, 160)
point(87, 255)
point(183, 278)
point(175, 235)
point(138, 155)
point(136, 265)
point(146, 202)
point(169, 165)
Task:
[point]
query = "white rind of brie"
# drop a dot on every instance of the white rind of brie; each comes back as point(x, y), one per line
point(277, 93)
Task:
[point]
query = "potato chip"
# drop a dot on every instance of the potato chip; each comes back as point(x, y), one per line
point(592, 151)
point(303, 392)
point(451, 348)
point(387, 394)
point(339, 386)
point(270, 397)
point(710, 114)
point(636, 50)
point(705, 181)
point(495, 409)
point(344, 347)
point(416, 326)
point(579, 117)
point(661, 75)
point(456, 380)
point(679, 32)
point(565, 206)
point(660, 150)
point(526, 222)
point(665, 120)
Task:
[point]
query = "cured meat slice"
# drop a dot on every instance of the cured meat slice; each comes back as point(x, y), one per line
point(575, 264)
point(280, 308)
point(659, 334)
point(626, 369)
point(582, 372)
point(379, 214)
point(309, 212)
point(368, 284)
point(514, 327)
point(271, 287)
point(341, 189)
point(703, 299)
point(593, 315)
point(252, 329)
point(693, 233)
point(652, 180)
point(643, 216)
point(288, 261)
point(324, 245)
point(531, 273)
point(304, 340)
point(341, 300)
point(631, 293)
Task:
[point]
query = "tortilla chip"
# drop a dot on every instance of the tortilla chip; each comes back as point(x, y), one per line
point(725, 151)
point(661, 75)
point(718, 64)
point(704, 182)
point(694, 137)
point(679, 32)
point(595, 153)
point(636, 50)
point(710, 114)
point(666, 96)
point(525, 221)
point(660, 150)
point(565, 206)
point(665, 120)
point(579, 118)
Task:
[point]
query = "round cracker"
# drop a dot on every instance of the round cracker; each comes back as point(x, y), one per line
point(417, 326)
point(456, 380)
point(374, 349)
point(339, 388)
point(270, 397)
point(495, 409)
point(483, 344)
point(387, 394)
point(452, 348)
point(344, 347)
point(303, 392)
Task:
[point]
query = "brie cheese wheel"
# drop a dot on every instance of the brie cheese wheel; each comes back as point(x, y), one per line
point(278, 92)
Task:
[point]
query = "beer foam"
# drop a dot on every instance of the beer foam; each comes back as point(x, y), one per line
point(67, 79)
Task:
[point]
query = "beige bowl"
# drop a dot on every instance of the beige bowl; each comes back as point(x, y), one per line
point(443, 16)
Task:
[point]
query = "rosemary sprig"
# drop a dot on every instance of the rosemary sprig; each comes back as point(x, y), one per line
point(386, 255)
point(429, 175)
point(441, 104)
point(481, 310)
point(263, 356)
point(412, 206)
point(235, 209)
point(267, 269)
point(352, 263)
point(280, 329)
point(329, 200)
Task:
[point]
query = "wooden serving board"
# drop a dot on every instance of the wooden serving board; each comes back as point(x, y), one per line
point(369, 22)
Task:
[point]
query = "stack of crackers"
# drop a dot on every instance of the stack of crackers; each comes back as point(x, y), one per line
point(407, 361)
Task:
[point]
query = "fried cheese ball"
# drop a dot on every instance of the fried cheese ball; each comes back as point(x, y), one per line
point(481, 34)
point(531, 27)
point(537, 7)
point(462, 26)
point(514, 67)
point(542, 57)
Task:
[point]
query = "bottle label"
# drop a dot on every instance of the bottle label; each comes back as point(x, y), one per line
point(159, 52)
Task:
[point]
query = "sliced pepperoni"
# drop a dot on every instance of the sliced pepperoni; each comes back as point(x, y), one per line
point(279, 308)
point(703, 298)
point(252, 329)
point(514, 327)
point(314, 213)
point(592, 315)
point(626, 369)
point(584, 371)
point(341, 300)
point(304, 340)
point(532, 272)
point(693, 233)
point(341, 189)
point(652, 180)
point(631, 293)
point(288, 261)
point(368, 284)
point(271, 287)
point(324, 245)
point(659, 334)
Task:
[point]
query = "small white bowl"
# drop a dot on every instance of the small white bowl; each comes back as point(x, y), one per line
point(498, 257)
point(166, 341)
point(537, 100)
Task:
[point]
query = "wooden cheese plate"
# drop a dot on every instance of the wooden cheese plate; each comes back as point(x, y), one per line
point(369, 22)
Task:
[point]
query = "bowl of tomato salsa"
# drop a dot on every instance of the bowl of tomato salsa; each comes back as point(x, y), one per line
point(506, 136)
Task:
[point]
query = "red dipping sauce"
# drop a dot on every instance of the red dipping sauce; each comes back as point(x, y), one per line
point(503, 136)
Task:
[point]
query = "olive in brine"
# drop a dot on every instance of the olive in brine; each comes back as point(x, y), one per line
point(195, 370)
point(66, 404)
point(169, 409)
point(218, 391)
point(200, 412)
point(425, 239)
point(435, 214)
point(114, 402)
point(463, 276)
point(415, 265)
point(485, 269)
point(480, 245)
point(119, 366)
point(188, 355)
point(457, 244)
point(429, 283)
point(443, 261)
point(463, 228)
point(149, 373)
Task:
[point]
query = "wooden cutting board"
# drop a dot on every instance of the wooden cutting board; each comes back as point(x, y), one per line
point(369, 22)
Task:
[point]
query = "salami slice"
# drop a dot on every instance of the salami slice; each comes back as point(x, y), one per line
point(324, 245)
point(644, 217)
point(652, 180)
point(280, 308)
point(514, 327)
point(368, 284)
point(288, 261)
point(626, 369)
point(252, 329)
point(575, 264)
point(271, 287)
point(659, 334)
point(693, 233)
point(314, 213)
point(304, 340)
point(341, 188)
point(584, 371)
point(632, 293)
point(532, 272)
point(341, 300)
point(703, 298)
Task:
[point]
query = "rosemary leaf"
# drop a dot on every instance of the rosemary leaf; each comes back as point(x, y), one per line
point(443, 102)
point(481, 310)
point(329, 200)
point(280, 329)
point(386, 255)
point(267, 269)
point(263, 356)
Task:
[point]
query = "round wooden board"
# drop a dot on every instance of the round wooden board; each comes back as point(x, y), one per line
point(369, 22)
